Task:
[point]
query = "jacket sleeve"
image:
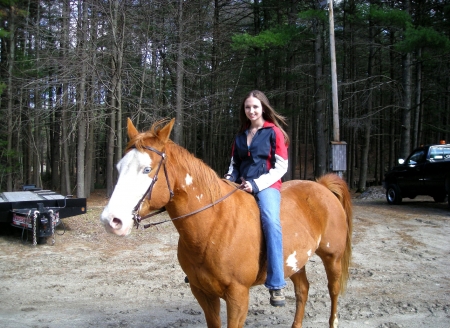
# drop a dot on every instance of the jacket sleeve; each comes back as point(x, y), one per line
point(278, 170)
point(233, 173)
point(274, 174)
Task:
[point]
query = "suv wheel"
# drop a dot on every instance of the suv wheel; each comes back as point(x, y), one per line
point(393, 195)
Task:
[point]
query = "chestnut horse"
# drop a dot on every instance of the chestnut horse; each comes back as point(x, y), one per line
point(221, 244)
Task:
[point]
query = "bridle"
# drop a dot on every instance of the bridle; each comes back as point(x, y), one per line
point(148, 194)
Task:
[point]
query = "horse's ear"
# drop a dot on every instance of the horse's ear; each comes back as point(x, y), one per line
point(132, 131)
point(164, 133)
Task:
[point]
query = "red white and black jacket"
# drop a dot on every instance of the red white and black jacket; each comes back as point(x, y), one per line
point(264, 162)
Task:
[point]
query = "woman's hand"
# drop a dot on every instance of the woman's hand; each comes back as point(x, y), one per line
point(246, 186)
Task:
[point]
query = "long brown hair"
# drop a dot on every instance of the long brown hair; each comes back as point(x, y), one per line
point(269, 114)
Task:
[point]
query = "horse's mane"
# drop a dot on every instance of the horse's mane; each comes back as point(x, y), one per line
point(201, 173)
point(178, 156)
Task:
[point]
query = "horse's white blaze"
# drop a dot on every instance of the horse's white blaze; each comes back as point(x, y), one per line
point(188, 180)
point(292, 262)
point(133, 182)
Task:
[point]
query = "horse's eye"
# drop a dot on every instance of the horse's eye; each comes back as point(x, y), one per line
point(147, 170)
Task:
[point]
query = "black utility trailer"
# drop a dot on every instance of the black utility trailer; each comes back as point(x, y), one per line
point(37, 211)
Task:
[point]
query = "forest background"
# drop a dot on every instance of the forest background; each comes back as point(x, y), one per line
point(73, 71)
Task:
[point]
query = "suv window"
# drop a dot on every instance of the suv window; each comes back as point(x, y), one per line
point(417, 157)
point(439, 153)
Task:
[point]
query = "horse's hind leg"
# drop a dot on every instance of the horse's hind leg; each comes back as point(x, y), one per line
point(210, 305)
point(333, 270)
point(301, 288)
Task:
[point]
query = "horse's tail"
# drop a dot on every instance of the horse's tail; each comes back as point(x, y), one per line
point(340, 189)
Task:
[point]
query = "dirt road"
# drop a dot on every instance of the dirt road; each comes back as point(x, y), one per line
point(399, 276)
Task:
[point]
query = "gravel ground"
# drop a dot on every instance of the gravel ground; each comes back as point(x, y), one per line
point(399, 275)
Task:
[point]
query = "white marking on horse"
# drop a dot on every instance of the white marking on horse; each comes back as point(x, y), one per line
point(199, 197)
point(188, 179)
point(292, 262)
point(132, 183)
point(328, 245)
point(309, 253)
point(335, 322)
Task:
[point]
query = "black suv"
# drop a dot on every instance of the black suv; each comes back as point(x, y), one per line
point(425, 172)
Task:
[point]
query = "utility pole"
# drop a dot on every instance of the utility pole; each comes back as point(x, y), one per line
point(338, 147)
point(334, 88)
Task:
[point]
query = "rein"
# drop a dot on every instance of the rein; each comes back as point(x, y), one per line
point(137, 218)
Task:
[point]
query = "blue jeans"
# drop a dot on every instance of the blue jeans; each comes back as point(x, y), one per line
point(269, 204)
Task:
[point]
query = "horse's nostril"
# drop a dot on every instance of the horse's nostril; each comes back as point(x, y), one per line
point(116, 223)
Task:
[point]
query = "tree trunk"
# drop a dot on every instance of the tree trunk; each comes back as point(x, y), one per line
point(368, 120)
point(81, 100)
point(91, 113)
point(416, 131)
point(55, 139)
point(392, 160)
point(352, 68)
point(90, 156)
point(120, 36)
point(289, 100)
point(319, 106)
point(9, 111)
point(405, 139)
point(37, 107)
point(143, 76)
point(178, 128)
point(66, 187)
point(111, 139)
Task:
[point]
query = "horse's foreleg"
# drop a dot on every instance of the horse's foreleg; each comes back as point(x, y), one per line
point(210, 305)
point(237, 298)
point(301, 288)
